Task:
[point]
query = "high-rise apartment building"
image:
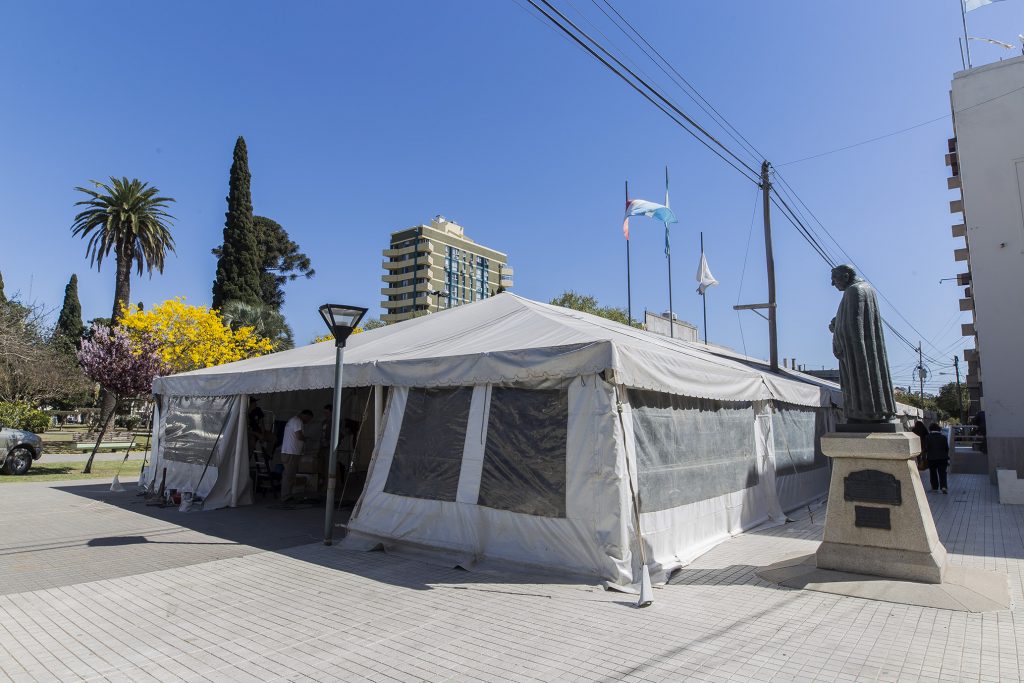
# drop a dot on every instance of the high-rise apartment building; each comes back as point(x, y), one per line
point(986, 160)
point(432, 267)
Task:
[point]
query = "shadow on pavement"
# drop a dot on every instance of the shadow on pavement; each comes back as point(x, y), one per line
point(267, 524)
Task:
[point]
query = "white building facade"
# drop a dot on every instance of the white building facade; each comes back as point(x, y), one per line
point(987, 162)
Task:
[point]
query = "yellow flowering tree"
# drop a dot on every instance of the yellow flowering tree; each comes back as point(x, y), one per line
point(192, 337)
point(330, 337)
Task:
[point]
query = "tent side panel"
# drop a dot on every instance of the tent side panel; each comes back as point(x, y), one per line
point(584, 537)
point(196, 431)
point(802, 470)
point(700, 471)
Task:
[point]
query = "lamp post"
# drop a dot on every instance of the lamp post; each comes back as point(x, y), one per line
point(437, 295)
point(341, 320)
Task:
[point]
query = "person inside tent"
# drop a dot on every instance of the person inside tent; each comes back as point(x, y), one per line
point(291, 450)
point(257, 431)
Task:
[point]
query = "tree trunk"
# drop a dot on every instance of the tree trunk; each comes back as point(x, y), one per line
point(103, 432)
point(122, 283)
point(122, 293)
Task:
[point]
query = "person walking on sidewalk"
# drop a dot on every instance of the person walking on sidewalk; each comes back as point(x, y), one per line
point(938, 457)
point(291, 450)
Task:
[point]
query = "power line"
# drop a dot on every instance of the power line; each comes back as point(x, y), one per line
point(865, 142)
point(696, 97)
point(649, 92)
point(752, 177)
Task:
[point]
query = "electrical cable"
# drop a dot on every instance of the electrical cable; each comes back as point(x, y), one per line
point(696, 97)
point(865, 142)
point(657, 94)
point(647, 90)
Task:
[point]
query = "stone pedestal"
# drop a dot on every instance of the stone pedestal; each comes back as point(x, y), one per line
point(879, 522)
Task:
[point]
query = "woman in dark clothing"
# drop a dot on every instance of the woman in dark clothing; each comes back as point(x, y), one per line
point(922, 434)
point(938, 457)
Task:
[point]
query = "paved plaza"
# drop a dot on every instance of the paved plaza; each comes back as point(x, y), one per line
point(99, 586)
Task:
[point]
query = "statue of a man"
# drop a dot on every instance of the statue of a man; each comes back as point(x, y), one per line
point(858, 343)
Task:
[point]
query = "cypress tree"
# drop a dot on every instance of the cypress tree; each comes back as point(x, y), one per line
point(70, 327)
point(3, 297)
point(238, 265)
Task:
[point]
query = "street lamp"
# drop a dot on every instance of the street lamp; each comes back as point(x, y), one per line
point(341, 320)
point(437, 301)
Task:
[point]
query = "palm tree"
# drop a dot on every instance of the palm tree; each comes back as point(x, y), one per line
point(265, 321)
point(129, 217)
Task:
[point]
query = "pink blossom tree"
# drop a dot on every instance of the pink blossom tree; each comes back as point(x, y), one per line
point(124, 368)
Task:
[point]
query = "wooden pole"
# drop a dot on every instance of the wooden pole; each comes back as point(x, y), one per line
point(773, 340)
point(959, 395)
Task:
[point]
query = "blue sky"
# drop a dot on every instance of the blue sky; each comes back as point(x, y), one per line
point(363, 118)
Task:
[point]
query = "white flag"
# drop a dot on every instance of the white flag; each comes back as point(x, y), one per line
point(975, 4)
point(704, 276)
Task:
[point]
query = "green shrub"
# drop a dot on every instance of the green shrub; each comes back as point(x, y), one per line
point(128, 422)
point(20, 415)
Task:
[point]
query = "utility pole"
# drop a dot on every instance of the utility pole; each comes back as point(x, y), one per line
point(773, 338)
point(959, 395)
point(920, 371)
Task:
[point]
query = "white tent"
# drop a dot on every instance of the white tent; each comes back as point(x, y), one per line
point(528, 434)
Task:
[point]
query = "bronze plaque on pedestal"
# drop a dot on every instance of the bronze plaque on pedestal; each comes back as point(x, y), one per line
point(872, 518)
point(872, 486)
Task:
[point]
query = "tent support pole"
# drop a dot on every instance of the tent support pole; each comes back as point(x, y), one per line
point(241, 440)
point(646, 592)
point(378, 411)
point(154, 444)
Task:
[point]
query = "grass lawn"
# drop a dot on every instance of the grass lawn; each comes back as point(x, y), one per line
point(63, 471)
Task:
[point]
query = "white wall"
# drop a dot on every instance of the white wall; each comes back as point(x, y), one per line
point(659, 324)
point(988, 112)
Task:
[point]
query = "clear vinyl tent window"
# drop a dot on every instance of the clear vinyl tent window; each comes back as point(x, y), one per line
point(524, 457)
point(428, 455)
point(796, 436)
point(690, 449)
point(192, 425)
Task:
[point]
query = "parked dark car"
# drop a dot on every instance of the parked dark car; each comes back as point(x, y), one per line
point(19, 449)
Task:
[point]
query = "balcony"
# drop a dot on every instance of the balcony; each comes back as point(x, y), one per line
point(422, 273)
point(953, 182)
point(971, 356)
point(963, 254)
point(408, 262)
point(963, 279)
point(956, 206)
point(959, 230)
point(426, 247)
point(966, 304)
point(967, 329)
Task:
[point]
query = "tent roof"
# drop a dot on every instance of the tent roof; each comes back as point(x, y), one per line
point(507, 338)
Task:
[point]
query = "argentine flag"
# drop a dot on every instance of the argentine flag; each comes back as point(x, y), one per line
point(975, 4)
point(642, 207)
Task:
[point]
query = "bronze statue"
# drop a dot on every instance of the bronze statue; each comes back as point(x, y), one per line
point(858, 343)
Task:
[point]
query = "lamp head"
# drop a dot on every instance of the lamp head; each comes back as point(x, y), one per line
point(341, 320)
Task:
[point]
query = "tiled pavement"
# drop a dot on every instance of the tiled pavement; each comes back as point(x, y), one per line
point(312, 612)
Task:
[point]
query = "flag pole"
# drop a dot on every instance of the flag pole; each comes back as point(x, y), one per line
point(629, 286)
point(967, 42)
point(704, 294)
point(668, 253)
